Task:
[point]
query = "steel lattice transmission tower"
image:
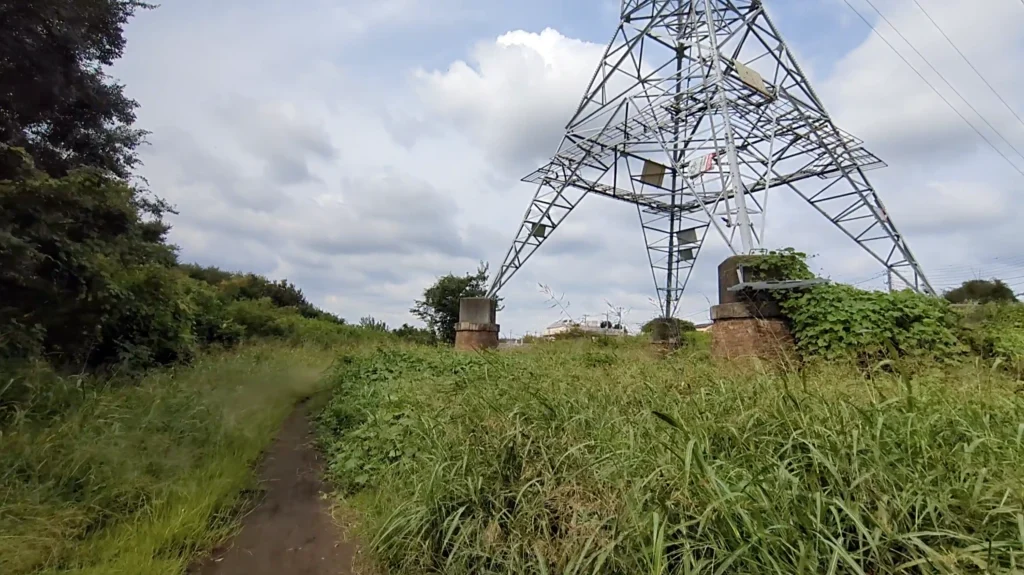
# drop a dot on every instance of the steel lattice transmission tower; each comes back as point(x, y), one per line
point(697, 113)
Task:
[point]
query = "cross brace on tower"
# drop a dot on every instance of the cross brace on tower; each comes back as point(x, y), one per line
point(696, 111)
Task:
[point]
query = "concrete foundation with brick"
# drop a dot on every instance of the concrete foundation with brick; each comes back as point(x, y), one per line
point(477, 327)
point(744, 330)
point(741, 338)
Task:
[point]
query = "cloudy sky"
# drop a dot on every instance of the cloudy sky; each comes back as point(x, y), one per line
point(361, 149)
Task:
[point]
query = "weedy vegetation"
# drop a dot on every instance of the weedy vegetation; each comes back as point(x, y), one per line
point(140, 476)
point(580, 457)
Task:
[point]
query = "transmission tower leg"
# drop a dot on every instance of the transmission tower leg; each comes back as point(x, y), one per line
point(550, 206)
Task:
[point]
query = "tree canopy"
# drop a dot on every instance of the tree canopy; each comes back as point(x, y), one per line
point(57, 103)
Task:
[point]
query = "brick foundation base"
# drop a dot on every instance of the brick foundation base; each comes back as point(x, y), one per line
point(474, 336)
point(739, 339)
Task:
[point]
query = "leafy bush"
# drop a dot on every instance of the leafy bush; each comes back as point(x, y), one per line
point(996, 331)
point(260, 317)
point(65, 244)
point(364, 429)
point(210, 275)
point(981, 291)
point(671, 328)
point(281, 293)
point(840, 321)
point(776, 265)
point(87, 278)
point(151, 321)
point(211, 324)
point(414, 334)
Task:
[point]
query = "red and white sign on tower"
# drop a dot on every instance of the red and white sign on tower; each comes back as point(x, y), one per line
point(701, 165)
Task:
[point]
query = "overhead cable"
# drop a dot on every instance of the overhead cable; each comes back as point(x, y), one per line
point(969, 63)
point(934, 89)
point(943, 78)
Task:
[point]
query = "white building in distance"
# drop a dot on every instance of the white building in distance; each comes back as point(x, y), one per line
point(593, 327)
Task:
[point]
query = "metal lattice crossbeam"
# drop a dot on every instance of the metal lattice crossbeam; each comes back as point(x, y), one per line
point(697, 112)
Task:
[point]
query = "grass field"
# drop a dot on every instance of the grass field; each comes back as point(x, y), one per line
point(579, 457)
point(138, 479)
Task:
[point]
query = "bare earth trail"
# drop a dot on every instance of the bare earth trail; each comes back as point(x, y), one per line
point(291, 530)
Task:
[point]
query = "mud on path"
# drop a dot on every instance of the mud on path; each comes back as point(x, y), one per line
point(291, 530)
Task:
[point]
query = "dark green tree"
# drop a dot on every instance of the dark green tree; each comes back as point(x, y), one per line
point(211, 275)
point(56, 102)
point(981, 291)
point(439, 308)
point(68, 250)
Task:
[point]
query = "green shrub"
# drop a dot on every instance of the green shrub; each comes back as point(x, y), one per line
point(151, 320)
point(839, 321)
point(981, 291)
point(662, 329)
point(211, 324)
point(281, 293)
point(260, 317)
point(65, 244)
point(418, 335)
point(776, 265)
point(996, 330)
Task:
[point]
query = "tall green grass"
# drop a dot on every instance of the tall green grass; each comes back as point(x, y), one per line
point(575, 457)
point(140, 478)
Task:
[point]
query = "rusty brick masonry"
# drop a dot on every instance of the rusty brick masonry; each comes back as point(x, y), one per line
point(474, 336)
point(741, 339)
point(744, 329)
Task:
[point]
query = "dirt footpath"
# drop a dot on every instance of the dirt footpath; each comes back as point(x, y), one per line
point(290, 532)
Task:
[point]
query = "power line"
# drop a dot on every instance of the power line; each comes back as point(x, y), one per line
point(958, 272)
point(943, 78)
point(934, 89)
point(969, 63)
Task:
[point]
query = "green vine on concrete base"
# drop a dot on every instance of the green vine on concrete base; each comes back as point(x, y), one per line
point(776, 265)
point(834, 321)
